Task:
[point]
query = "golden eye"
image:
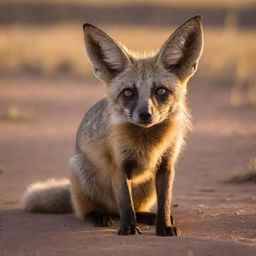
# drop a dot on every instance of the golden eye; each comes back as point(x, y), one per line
point(128, 93)
point(161, 91)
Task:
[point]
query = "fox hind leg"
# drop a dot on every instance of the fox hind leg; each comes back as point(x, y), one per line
point(84, 207)
point(82, 203)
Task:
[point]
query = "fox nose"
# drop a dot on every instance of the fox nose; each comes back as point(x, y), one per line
point(145, 116)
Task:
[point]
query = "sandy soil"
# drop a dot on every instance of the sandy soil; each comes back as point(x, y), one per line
point(215, 218)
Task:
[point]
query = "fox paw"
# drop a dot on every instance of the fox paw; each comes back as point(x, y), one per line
point(101, 219)
point(131, 230)
point(167, 231)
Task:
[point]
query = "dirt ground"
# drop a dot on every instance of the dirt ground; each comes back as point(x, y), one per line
point(215, 218)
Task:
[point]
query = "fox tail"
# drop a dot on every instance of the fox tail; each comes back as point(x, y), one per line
point(51, 196)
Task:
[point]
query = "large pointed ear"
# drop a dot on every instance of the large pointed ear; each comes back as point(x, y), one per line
point(181, 52)
point(107, 57)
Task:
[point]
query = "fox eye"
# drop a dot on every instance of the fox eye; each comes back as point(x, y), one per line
point(161, 91)
point(128, 93)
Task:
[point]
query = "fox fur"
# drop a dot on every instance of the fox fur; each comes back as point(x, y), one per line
point(128, 143)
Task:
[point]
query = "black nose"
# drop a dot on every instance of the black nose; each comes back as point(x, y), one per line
point(145, 116)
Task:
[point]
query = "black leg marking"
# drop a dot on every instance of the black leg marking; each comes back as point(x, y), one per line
point(164, 182)
point(128, 222)
point(129, 165)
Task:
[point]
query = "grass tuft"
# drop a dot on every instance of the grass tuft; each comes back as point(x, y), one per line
point(1, 169)
point(14, 114)
point(249, 176)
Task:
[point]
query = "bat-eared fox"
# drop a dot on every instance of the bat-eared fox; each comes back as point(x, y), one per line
point(128, 143)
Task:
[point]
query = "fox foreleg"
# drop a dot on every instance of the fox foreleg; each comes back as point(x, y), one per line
point(164, 183)
point(123, 194)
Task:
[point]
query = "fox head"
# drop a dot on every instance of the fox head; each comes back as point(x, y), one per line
point(146, 91)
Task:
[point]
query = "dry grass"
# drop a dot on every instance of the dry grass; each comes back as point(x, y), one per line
point(14, 114)
point(41, 49)
point(243, 92)
point(229, 54)
point(60, 49)
point(249, 176)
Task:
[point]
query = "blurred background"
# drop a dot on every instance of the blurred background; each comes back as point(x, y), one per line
point(44, 37)
point(46, 82)
point(46, 85)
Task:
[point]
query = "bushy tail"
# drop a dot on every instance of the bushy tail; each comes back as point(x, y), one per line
point(51, 196)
